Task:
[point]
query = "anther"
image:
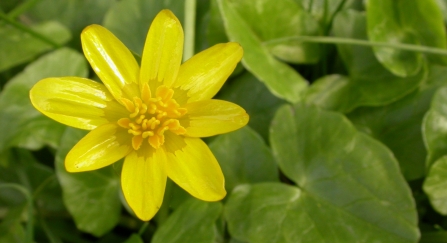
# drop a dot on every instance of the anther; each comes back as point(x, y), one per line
point(133, 132)
point(147, 134)
point(140, 119)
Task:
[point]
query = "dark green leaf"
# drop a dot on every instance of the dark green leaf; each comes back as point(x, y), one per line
point(17, 47)
point(129, 20)
point(435, 185)
point(346, 177)
point(91, 197)
point(244, 158)
point(22, 124)
point(247, 91)
point(193, 222)
point(280, 78)
point(398, 125)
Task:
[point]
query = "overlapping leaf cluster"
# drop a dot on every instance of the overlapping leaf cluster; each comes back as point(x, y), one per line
point(346, 142)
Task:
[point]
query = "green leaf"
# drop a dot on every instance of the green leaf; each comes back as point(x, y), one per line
point(193, 222)
point(129, 20)
point(435, 185)
point(244, 158)
point(17, 46)
point(433, 129)
point(369, 83)
point(398, 125)
point(91, 197)
point(411, 22)
point(11, 231)
point(134, 238)
point(345, 178)
point(22, 124)
point(247, 91)
point(262, 18)
point(279, 77)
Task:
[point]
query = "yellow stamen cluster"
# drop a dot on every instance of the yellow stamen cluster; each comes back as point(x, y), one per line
point(151, 117)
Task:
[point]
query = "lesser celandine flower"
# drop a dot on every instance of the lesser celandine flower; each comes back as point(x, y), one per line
point(153, 115)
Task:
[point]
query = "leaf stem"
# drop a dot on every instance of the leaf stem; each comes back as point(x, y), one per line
point(347, 41)
point(22, 8)
point(26, 29)
point(190, 25)
point(143, 228)
point(30, 224)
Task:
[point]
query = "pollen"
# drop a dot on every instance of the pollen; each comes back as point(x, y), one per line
point(150, 117)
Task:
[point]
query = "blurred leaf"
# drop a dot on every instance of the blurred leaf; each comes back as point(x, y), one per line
point(216, 30)
point(129, 20)
point(17, 47)
point(350, 186)
point(91, 197)
point(11, 231)
point(398, 125)
point(247, 91)
point(244, 158)
point(192, 222)
point(279, 77)
point(8, 5)
point(411, 22)
point(369, 83)
point(434, 129)
point(75, 14)
point(22, 124)
point(134, 238)
point(25, 170)
point(435, 185)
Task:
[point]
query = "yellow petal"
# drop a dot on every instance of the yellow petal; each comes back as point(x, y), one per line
point(162, 52)
point(76, 102)
point(112, 61)
point(195, 169)
point(143, 180)
point(211, 117)
point(99, 148)
point(204, 74)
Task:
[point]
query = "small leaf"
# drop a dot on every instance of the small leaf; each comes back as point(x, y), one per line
point(418, 22)
point(257, 57)
point(129, 20)
point(23, 124)
point(17, 47)
point(434, 129)
point(369, 83)
point(194, 221)
point(435, 185)
point(244, 158)
point(91, 197)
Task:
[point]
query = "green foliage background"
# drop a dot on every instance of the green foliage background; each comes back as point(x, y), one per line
point(347, 139)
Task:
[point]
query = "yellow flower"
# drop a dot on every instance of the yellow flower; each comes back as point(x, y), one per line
point(153, 116)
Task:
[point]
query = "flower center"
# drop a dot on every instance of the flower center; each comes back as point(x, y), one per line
point(150, 117)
